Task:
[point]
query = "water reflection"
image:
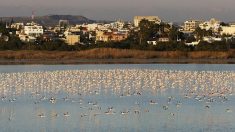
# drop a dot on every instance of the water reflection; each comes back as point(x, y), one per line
point(117, 100)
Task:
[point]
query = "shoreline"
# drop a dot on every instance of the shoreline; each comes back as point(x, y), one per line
point(114, 61)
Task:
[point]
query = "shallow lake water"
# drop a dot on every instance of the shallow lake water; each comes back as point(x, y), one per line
point(124, 97)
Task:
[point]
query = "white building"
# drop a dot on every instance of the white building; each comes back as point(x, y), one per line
point(164, 39)
point(118, 24)
point(17, 26)
point(194, 43)
point(138, 19)
point(191, 25)
point(72, 39)
point(33, 29)
point(73, 29)
point(210, 39)
point(213, 24)
point(161, 40)
point(228, 30)
point(26, 38)
point(95, 26)
point(152, 42)
point(92, 27)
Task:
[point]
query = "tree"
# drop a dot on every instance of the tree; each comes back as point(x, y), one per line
point(200, 33)
point(3, 29)
point(224, 24)
point(175, 34)
point(145, 31)
point(150, 30)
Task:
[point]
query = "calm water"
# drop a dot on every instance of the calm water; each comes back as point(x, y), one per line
point(161, 97)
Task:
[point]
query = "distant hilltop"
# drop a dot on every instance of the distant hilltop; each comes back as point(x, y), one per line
point(50, 20)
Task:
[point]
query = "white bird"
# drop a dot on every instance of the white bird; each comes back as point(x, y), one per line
point(66, 114)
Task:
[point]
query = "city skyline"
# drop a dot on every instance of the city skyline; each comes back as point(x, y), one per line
point(126, 10)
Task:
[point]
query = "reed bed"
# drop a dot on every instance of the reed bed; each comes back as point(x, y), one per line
point(110, 53)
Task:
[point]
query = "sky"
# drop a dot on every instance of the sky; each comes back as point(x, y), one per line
point(167, 10)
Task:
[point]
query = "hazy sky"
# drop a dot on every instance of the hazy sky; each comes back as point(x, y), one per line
point(168, 10)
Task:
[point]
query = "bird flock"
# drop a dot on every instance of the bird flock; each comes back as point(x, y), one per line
point(207, 86)
point(118, 82)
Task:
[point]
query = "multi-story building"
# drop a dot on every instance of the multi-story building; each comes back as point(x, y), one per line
point(74, 28)
point(33, 29)
point(213, 24)
point(138, 19)
point(95, 26)
point(191, 25)
point(228, 30)
point(30, 32)
point(103, 36)
point(26, 38)
point(118, 24)
point(119, 36)
point(63, 23)
point(106, 36)
point(72, 39)
point(17, 26)
point(91, 27)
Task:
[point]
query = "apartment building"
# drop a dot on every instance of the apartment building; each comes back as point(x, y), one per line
point(138, 19)
point(106, 36)
point(33, 29)
point(228, 30)
point(72, 39)
point(191, 25)
point(212, 24)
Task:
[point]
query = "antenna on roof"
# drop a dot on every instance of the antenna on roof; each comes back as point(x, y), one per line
point(32, 17)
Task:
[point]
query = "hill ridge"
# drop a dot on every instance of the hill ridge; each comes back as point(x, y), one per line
point(50, 20)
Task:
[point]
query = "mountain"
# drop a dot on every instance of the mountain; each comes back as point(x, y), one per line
point(50, 20)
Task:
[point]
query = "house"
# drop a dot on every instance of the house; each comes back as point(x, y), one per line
point(138, 19)
point(26, 38)
point(103, 35)
point(152, 42)
point(89, 27)
point(72, 39)
point(107, 35)
point(164, 39)
point(194, 43)
point(118, 36)
point(118, 24)
point(17, 26)
point(210, 39)
point(74, 28)
point(49, 36)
